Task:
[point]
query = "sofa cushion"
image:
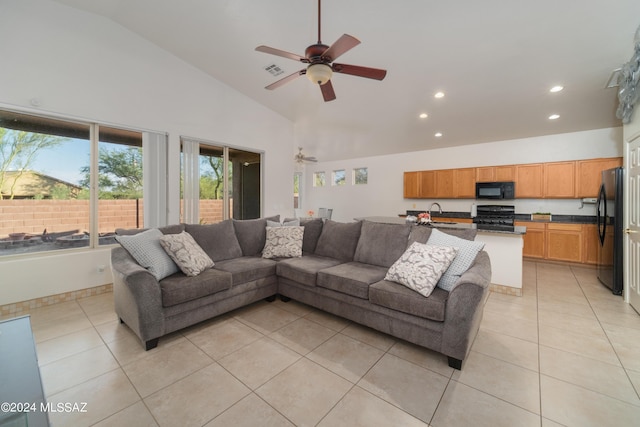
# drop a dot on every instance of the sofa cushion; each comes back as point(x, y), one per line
point(251, 234)
point(398, 297)
point(421, 266)
point(145, 248)
point(339, 239)
point(422, 233)
point(186, 253)
point(352, 278)
point(467, 253)
point(381, 244)
point(295, 222)
point(304, 269)
point(217, 240)
point(179, 288)
point(248, 268)
point(312, 231)
point(283, 242)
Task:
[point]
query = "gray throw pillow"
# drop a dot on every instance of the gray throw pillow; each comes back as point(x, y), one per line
point(421, 266)
point(467, 253)
point(287, 223)
point(145, 248)
point(186, 253)
point(283, 242)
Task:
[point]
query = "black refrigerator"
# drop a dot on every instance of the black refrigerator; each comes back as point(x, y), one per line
point(610, 232)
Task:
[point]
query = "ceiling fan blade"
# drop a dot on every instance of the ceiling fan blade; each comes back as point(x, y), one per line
point(285, 80)
point(327, 91)
point(284, 54)
point(356, 70)
point(342, 45)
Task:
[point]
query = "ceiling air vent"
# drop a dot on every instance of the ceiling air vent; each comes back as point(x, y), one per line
point(274, 70)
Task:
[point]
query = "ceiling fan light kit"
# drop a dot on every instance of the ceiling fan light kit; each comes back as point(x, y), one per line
point(320, 58)
point(319, 73)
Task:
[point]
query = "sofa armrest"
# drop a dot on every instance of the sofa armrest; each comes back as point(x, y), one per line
point(464, 308)
point(137, 296)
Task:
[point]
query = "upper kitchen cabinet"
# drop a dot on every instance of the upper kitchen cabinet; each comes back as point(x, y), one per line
point(420, 185)
point(465, 183)
point(496, 174)
point(589, 175)
point(411, 185)
point(529, 181)
point(486, 174)
point(505, 173)
point(559, 180)
point(444, 181)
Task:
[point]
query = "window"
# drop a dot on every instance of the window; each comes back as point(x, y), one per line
point(297, 190)
point(47, 171)
point(318, 179)
point(338, 177)
point(219, 182)
point(360, 176)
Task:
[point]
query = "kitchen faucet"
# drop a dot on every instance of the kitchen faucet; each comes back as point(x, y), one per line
point(439, 208)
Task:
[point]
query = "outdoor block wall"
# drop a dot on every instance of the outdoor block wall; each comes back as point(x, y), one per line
point(34, 216)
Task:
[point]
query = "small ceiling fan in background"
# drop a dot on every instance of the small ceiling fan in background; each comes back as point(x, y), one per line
point(301, 158)
point(320, 58)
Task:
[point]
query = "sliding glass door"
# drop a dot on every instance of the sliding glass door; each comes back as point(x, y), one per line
point(219, 182)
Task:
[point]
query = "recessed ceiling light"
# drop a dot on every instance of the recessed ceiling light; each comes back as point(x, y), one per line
point(554, 116)
point(556, 89)
point(423, 115)
point(438, 134)
point(439, 95)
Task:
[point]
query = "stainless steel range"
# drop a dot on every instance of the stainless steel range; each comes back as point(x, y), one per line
point(495, 217)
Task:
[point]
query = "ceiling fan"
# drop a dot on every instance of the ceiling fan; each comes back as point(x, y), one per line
point(300, 158)
point(320, 58)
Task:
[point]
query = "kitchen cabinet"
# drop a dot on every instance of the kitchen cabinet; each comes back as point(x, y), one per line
point(486, 174)
point(411, 185)
point(444, 182)
point(589, 173)
point(564, 242)
point(465, 183)
point(534, 239)
point(453, 220)
point(591, 242)
point(505, 173)
point(529, 181)
point(559, 180)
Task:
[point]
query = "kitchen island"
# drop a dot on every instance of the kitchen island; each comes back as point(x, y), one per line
point(504, 246)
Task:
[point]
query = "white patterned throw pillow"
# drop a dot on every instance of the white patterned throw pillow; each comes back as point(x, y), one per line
point(467, 253)
point(421, 266)
point(145, 248)
point(184, 251)
point(283, 242)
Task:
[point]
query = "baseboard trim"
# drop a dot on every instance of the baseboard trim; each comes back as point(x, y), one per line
point(23, 307)
point(507, 290)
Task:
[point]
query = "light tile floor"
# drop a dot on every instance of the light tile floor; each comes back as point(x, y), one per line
point(565, 353)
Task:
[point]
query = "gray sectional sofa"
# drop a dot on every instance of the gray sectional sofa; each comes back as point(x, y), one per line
point(341, 271)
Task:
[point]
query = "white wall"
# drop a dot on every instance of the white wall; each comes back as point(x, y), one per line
point(383, 194)
point(78, 65)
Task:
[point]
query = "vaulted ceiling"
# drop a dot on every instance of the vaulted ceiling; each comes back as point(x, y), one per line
point(494, 60)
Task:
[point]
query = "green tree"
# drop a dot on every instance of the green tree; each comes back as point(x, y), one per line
point(211, 174)
point(18, 150)
point(119, 172)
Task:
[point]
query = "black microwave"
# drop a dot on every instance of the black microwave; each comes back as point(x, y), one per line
point(495, 190)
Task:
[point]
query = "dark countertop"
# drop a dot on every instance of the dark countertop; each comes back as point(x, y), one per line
point(571, 219)
point(449, 225)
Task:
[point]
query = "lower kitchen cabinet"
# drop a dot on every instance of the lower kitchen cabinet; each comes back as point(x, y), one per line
point(534, 239)
point(561, 241)
point(564, 242)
